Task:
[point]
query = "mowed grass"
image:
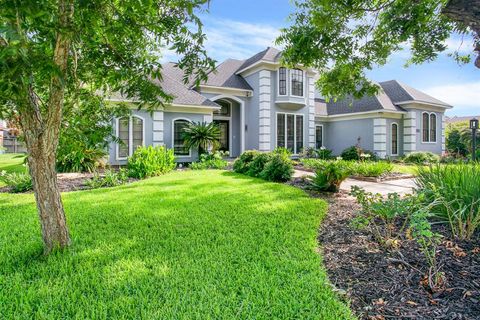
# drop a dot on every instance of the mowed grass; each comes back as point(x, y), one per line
point(11, 162)
point(188, 245)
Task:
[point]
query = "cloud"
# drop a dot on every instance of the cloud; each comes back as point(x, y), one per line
point(465, 97)
point(232, 39)
point(235, 39)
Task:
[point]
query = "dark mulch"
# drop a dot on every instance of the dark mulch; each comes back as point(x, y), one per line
point(382, 284)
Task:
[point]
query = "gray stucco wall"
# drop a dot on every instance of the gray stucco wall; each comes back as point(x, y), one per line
point(399, 122)
point(148, 133)
point(435, 147)
point(252, 114)
point(339, 135)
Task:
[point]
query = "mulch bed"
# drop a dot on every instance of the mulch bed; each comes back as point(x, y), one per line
point(67, 182)
point(383, 284)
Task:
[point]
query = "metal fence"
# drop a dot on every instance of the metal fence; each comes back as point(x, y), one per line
point(13, 145)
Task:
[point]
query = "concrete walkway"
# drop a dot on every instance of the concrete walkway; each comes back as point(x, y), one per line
point(400, 186)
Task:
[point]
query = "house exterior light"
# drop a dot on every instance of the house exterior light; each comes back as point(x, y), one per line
point(474, 124)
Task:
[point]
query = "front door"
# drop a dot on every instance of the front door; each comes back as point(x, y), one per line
point(224, 134)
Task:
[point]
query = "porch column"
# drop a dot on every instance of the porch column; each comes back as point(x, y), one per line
point(380, 137)
point(242, 127)
point(264, 137)
point(410, 132)
point(158, 128)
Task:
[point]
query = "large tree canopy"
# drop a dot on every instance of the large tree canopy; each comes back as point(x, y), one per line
point(51, 51)
point(345, 38)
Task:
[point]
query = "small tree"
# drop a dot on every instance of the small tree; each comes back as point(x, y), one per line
point(202, 135)
point(51, 49)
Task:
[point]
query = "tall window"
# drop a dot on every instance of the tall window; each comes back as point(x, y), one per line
point(394, 139)
point(281, 130)
point(425, 127)
point(130, 133)
point(297, 82)
point(179, 148)
point(282, 81)
point(429, 127)
point(225, 111)
point(290, 131)
point(298, 133)
point(318, 137)
point(433, 127)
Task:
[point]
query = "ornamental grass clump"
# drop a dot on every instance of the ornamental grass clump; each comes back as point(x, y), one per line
point(17, 181)
point(455, 191)
point(329, 175)
point(372, 169)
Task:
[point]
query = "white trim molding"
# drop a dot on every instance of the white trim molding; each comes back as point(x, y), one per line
point(380, 137)
point(264, 111)
point(158, 127)
point(311, 113)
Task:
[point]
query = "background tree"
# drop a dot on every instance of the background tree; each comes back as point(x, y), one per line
point(458, 138)
point(50, 49)
point(343, 39)
point(201, 135)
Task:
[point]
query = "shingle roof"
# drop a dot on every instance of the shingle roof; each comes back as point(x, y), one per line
point(270, 54)
point(182, 94)
point(224, 76)
point(399, 92)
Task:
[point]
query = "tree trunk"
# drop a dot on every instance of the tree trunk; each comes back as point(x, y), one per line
point(41, 131)
point(41, 161)
point(467, 13)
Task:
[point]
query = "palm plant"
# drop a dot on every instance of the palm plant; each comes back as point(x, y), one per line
point(201, 135)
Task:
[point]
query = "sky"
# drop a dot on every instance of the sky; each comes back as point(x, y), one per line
point(240, 28)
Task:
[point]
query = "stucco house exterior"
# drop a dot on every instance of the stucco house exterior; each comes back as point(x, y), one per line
point(259, 104)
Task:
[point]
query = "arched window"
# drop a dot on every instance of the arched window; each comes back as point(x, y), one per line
point(433, 127)
point(394, 139)
point(130, 132)
point(425, 127)
point(225, 111)
point(179, 148)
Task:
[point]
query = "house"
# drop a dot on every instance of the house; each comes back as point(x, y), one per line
point(259, 104)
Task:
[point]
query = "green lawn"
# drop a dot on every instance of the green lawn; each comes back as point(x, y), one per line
point(188, 245)
point(11, 162)
point(405, 168)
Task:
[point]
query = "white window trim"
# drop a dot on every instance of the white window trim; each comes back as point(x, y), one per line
point(173, 139)
point(295, 151)
point(130, 135)
point(323, 134)
point(303, 83)
point(286, 84)
point(429, 129)
point(391, 139)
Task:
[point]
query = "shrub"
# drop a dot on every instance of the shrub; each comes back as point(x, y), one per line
point(308, 152)
point(421, 157)
point(110, 178)
point(279, 168)
point(210, 161)
point(243, 162)
point(258, 164)
point(454, 191)
point(330, 175)
point(380, 215)
point(371, 169)
point(313, 164)
point(324, 153)
point(150, 161)
point(282, 151)
point(78, 156)
point(17, 181)
point(351, 153)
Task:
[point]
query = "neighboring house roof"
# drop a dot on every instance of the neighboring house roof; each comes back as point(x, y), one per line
point(268, 55)
point(456, 119)
point(224, 76)
point(399, 92)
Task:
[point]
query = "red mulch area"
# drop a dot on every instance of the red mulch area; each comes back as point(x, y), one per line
point(383, 284)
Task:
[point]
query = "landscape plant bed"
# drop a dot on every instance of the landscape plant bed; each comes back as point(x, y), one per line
point(73, 181)
point(383, 284)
